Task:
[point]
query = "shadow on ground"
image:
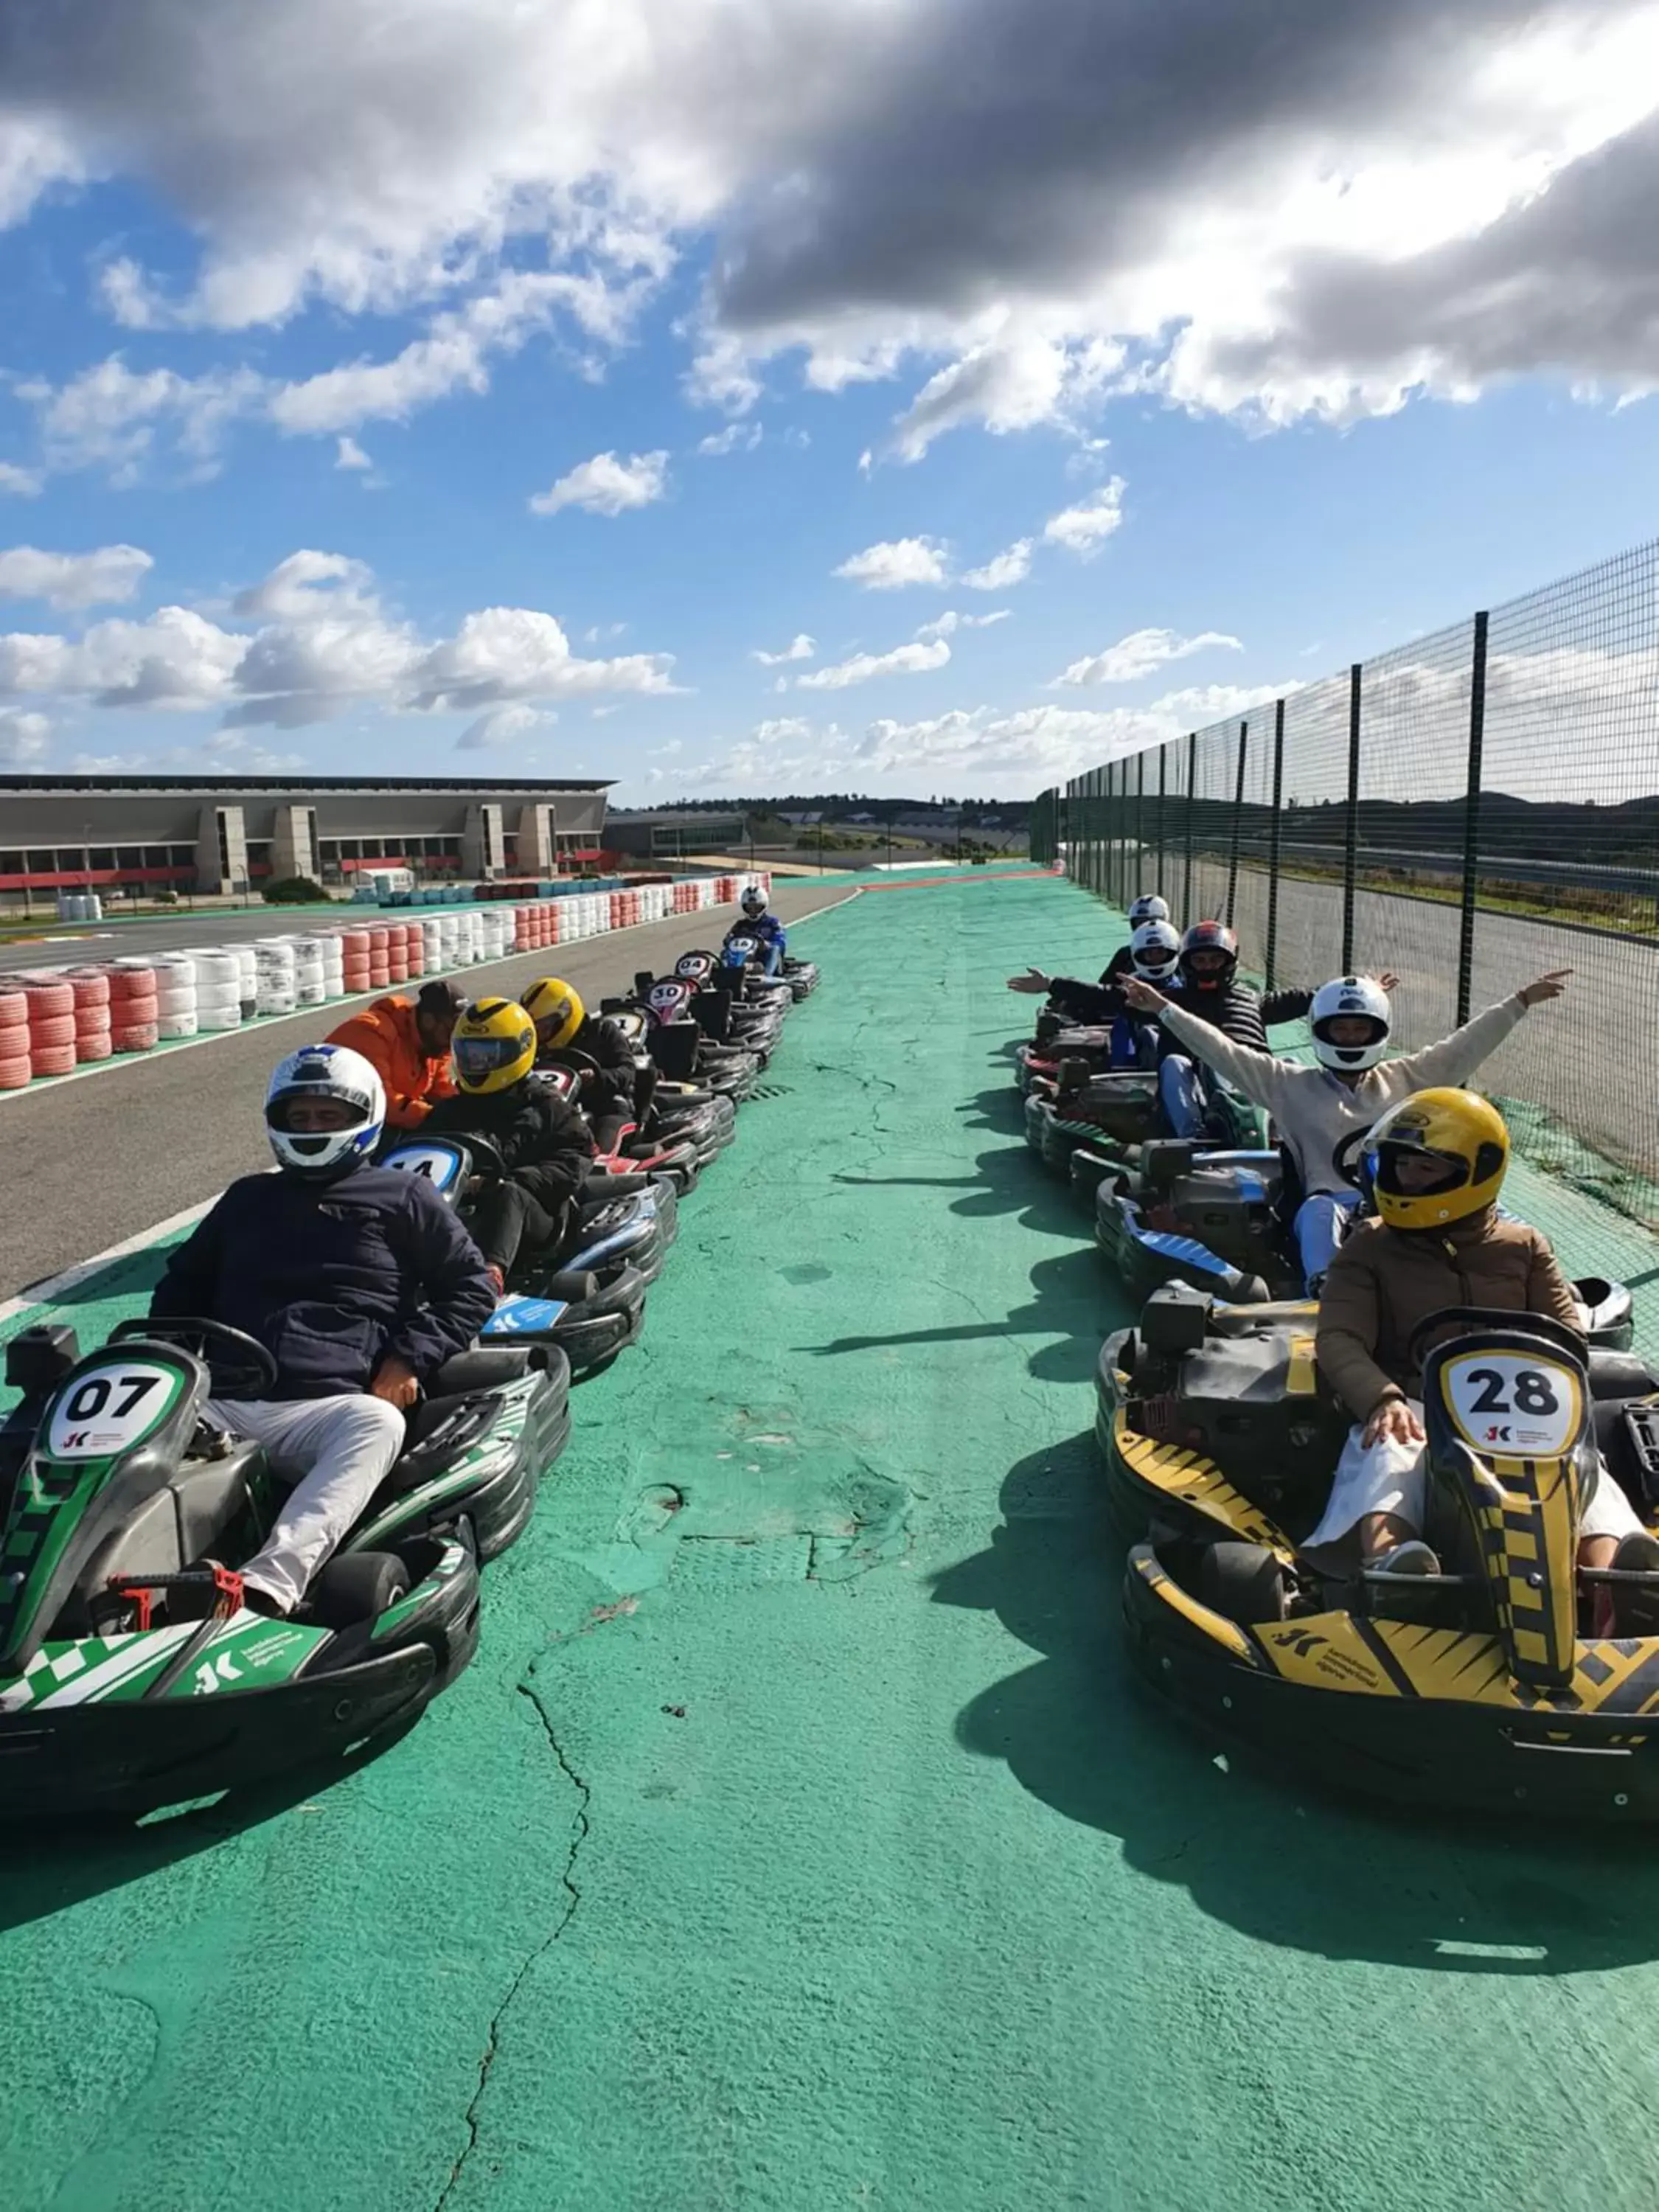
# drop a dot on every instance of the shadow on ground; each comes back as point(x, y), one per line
point(1273, 1860)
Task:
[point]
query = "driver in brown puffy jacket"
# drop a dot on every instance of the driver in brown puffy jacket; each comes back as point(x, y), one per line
point(1437, 1162)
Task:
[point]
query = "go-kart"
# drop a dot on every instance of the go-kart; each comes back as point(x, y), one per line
point(587, 1297)
point(1223, 1221)
point(1106, 1117)
point(1037, 1063)
point(131, 1675)
point(706, 1119)
point(620, 1147)
point(1496, 1683)
point(689, 1039)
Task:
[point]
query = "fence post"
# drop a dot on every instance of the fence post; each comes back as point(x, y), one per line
point(1140, 816)
point(1351, 853)
point(1192, 778)
point(1239, 811)
point(1163, 798)
point(1272, 955)
point(1472, 817)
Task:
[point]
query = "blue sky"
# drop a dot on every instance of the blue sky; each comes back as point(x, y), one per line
point(391, 367)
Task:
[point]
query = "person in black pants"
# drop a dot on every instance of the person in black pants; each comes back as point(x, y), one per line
point(545, 1145)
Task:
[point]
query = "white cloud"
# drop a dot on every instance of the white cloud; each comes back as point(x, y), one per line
point(1083, 529)
point(948, 623)
point(904, 660)
point(323, 641)
point(799, 647)
point(1006, 569)
point(501, 727)
point(735, 438)
point(114, 417)
point(605, 485)
point(349, 454)
point(1142, 653)
point(17, 482)
point(68, 580)
point(896, 563)
point(24, 736)
point(1418, 197)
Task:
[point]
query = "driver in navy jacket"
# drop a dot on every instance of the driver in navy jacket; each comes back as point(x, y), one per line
point(359, 1281)
point(763, 926)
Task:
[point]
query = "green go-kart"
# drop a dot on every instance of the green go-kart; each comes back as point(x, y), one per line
point(131, 1675)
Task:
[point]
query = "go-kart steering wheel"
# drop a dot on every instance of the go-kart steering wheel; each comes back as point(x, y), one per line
point(486, 1160)
point(1531, 1324)
point(1346, 1158)
point(239, 1365)
point(583, 1062)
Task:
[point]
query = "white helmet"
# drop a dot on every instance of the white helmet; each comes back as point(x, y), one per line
point(1155, 948)
point(754, 900)
point(1351, 997)
point(324, 1071)
point(1148, 908)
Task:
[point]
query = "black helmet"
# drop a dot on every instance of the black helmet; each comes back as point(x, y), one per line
point(1209, 937)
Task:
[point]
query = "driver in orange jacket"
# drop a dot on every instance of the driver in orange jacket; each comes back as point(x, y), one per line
point(406, 1042)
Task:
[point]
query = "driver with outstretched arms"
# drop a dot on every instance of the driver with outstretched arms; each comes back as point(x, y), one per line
point(360, 1282)
point(1083, 1002)
point(1321, 1111)
point(759, 922)
point(1435, 1163)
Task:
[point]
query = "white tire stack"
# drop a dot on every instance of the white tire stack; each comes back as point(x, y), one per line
point(333, 952)
point(310, 972)
point(175, 996)
point(218, 990)
point(248, 969)
point(497, 940)
point(277, 988)
point(451, 928)
point(432, 944)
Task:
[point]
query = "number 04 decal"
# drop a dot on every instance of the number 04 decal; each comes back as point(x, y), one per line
point(1506, 1402)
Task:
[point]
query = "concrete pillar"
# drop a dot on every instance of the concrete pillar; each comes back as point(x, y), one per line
point(220, 849)
point(483, 848)
point(538, 854)
point(293, 843)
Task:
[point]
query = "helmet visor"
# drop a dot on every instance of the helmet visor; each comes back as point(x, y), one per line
point(1406, 1170)
point(478, 1057)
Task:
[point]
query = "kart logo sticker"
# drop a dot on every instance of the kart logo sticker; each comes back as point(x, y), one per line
point(1518, 1401)
point(516, 1316)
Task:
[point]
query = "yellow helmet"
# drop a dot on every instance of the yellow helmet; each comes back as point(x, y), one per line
point(1461, 1134)
point(557, 1009)
point(494, 1045)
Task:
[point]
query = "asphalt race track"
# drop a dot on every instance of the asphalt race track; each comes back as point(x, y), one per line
point(87, 1165)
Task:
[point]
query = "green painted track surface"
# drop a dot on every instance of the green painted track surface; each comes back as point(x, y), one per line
point(795, 1840)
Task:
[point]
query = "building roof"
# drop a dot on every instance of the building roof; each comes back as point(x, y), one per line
point(237, 786)
point(688, 817)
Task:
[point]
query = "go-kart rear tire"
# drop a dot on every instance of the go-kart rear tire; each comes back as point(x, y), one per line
point(1244, 1582)
point(357, 1587)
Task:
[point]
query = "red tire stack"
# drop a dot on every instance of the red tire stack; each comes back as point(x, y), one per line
point(52, 1023)
point(397, 952)
point(17, 1068)
point(357, 965)
point(380, 958)
point(132, 1011)
point(93, 1028)
point(415, 951)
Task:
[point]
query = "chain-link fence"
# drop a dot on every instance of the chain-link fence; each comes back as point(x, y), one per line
point(1467, 812)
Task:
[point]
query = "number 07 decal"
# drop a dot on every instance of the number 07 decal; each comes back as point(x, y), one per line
point(110, 1409)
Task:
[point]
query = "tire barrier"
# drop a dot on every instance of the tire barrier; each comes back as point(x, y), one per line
point(52, 1022)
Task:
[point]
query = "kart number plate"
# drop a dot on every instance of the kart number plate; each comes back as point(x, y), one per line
point(1511, 1402)
point(438, 1164)
point(106, 1410)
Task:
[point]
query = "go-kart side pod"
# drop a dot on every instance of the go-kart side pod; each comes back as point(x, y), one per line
point(130, 1721)
point(606, 1314)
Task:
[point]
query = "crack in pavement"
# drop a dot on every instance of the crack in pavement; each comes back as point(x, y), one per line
point(580, 1832)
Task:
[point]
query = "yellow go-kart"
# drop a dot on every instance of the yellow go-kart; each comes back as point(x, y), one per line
point(1486, 1685)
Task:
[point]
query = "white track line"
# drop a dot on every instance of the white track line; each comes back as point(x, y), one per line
point(817, 910)
point(44, 1293)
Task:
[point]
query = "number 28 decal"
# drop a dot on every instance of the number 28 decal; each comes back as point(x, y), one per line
point(111, 1408)
point(1508, 1402)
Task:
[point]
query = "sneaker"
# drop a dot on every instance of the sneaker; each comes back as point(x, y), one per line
point(1635, 1610)
point(1409, 1558)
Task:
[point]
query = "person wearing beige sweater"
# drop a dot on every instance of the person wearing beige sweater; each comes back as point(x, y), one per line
point(1321, 1112)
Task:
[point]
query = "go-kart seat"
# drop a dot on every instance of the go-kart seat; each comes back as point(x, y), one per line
point(674, 1048)
point(185, 1519)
